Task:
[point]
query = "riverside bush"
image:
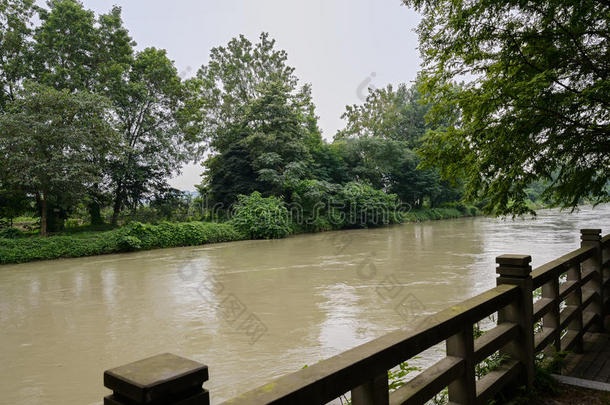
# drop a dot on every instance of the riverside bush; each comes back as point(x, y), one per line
point(365, 206)
point(10, 233)
point(261, 217)
point(134, 236)
point(427, 214)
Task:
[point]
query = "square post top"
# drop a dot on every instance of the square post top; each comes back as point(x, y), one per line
point(514, 266)
point(590, 235)
point(154, 379)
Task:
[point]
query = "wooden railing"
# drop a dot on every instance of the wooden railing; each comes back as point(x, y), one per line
point(573, 300)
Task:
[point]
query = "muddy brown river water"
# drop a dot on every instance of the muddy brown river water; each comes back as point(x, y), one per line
point(251, 310)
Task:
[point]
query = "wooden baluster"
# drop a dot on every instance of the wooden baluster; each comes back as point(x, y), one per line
point(516, 270)
point(463, 391)
point(574, 300)
point(592, 237)
point(373, 392)
point(550, 291)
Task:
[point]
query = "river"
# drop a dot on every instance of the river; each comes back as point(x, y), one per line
point(250, 310)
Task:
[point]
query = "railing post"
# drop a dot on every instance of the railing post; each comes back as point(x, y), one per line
point(463, 391)
point(552, 319)
point(574, 300)
point(588, 238)
point(516, 270)
point(164, 379)
point(373, 392)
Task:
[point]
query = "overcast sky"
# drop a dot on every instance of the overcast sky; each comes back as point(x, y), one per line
point(339, 46)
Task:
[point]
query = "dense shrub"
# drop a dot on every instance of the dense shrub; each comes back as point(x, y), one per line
point(132, 237)
point(10, 233)
point(468, 210)
point(72, 223)
point(170, 234)
point(314, 208)
point(427, 214)
point(127, 243)
point(365, 206)
point(258, 217)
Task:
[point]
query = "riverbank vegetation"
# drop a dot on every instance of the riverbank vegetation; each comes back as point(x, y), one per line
point(93, 129)
point(255, 217)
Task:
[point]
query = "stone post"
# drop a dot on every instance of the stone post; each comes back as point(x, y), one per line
point(516, 270)
point(463, 391)
point(165, 379)
point(373, 392)
point(588, 238)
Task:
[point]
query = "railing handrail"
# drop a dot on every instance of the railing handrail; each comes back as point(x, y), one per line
point(332, 377)
point(545, 272)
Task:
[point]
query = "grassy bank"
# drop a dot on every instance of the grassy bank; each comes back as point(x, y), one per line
point(130, 238)
point(19, 248)
point(429, 214)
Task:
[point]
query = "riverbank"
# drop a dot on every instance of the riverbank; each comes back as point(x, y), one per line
point(137, 236)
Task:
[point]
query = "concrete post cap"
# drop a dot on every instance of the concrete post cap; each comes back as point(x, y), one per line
point(155, 379)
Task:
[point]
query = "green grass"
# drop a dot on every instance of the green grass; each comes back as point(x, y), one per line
point(428, 214)
point(129, 238)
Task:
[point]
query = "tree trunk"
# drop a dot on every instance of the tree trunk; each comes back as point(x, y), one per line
point(43, 215)
point(118, 205)
point(95, 213)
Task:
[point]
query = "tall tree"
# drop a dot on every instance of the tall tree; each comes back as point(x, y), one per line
point(52, 142)
point(537, 102)
point(379, 141)
point(248, 105)
point(114, 51)
point(232, 79)
point(15, 46)
point(147, 105)
point(65, 46)
point(388, 113)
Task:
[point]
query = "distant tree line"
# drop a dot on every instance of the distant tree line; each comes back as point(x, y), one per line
point(90, 123)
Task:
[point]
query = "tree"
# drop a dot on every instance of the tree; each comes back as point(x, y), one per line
point(392, 166)
point(228, 175)
point(52, 142)
point(256, 120)
point(378, 142)
point(537, 102)
point(15, 46)
point(65, 46)
point(170, 203)
point(72, 49)
point(268, 148)
point(147, 104)
point(231, 79)
point(389, 114)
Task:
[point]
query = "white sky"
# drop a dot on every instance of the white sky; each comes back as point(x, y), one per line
point(339, 46)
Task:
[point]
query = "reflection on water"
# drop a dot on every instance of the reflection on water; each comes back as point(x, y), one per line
point(63, 322)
